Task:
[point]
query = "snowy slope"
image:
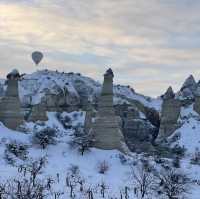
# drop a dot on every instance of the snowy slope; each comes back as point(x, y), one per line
point(60, 158)
point(189, 139)
point(190, 129)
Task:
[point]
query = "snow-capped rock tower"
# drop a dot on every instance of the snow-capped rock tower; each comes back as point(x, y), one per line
point(105, 129)
point(10, 109)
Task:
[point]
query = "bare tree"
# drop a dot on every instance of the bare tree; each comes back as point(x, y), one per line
point(34, 168)
point(143, 180)
point(172, 184)
point(74, 179)
point(81, 140)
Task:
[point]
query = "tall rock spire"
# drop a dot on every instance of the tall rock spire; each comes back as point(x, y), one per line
point(105, 129)
point(10, 108)
point(171, 108)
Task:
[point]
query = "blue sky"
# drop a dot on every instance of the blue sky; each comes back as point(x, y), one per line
point(150, 44)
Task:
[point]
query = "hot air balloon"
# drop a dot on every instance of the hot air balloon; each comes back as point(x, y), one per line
point(37, 57)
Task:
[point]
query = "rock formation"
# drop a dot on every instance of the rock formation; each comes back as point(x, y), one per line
point(105, 129)
point(59, 100)
point(38, 113)
point(197, 101)
point(190, 83)
point(169, 94)
point(10, 109)
point(188, 88)
point(171, 108)
point(139, 134)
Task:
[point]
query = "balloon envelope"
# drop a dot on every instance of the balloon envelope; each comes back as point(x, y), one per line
point(37, 57)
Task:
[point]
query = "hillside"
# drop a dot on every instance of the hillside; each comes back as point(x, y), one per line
point(61, 158)
point(53, 148)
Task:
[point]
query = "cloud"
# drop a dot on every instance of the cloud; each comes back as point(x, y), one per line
point(141, 40)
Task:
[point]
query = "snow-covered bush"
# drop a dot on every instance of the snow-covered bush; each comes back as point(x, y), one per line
point(64, 120)
point(81, 140)
point(15, 150)
point(196, 157)
point(176, 162)
point(103, 167)
point(122, 159)
point(178, 150)
point(159, 160)
point(45, 137)
point(175, 137)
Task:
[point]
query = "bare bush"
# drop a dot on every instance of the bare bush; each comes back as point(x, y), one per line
point(35, 168)
point(172, 184)
point(143, 180)
point(25, 189)
point(103, 167)
point(74, 179)
point(178, 150)
point(196, 157)
point(28, 186)
point(176, 162)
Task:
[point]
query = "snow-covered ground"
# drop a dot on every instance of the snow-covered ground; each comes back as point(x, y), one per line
point(61, 157)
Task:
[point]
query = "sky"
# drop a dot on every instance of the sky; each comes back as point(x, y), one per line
point(149, 44)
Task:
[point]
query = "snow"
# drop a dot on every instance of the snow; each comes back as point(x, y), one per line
point(61, 156)
point(190, 129)
point(129, 94)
